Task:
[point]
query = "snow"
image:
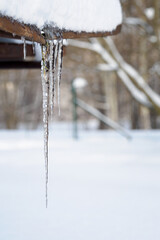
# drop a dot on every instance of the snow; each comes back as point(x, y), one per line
point(100, 187)
point(90, 15)
point(124, 75)
point(80, 82)
point(150, 13)
point(106, 67)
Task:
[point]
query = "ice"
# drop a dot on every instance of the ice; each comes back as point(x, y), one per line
point(59, 71)
point(54, 67)
point(52, 53)
point(33, 48)
point(51, 76)
point(24, 47)
point(45, 89)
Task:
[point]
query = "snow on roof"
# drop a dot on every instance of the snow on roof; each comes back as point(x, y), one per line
point(74, 15)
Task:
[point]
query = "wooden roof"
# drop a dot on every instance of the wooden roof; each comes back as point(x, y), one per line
point(11, 54)
point(10, 28)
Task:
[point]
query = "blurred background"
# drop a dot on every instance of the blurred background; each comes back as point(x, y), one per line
point(123, 88)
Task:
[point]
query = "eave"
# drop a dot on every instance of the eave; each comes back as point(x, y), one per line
point(10, 28)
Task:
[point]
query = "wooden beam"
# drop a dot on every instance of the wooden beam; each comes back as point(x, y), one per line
point(7, 35)
point(12, 51)
point(15, 29)
point(72, 35)
point(20, 65)
point(22, 30)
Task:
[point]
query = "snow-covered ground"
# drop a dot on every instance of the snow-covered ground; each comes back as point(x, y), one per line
point(100, 186)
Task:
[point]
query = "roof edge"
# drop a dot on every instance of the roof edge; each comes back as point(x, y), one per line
point(14, 29)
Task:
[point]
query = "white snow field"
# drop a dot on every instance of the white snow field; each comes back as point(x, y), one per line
point(100, 186)
point(75, 15)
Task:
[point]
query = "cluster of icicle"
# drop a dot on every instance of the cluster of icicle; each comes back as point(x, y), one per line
point(51, 70)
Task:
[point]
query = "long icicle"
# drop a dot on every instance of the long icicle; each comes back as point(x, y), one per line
point(51, 77)
point(24, 47)
point(45, 89)
point(54, 67)
point(51, 64)
point(59, 71)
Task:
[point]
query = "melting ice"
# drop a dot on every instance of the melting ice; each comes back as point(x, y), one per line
point(24, 47)
point(51, 71)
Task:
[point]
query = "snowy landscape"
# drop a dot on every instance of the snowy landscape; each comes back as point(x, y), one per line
point(79, 120)
point(101, 186)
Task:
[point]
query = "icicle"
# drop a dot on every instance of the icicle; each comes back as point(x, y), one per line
point(33, 48)
point(51, 77)
point(56, 44)
point(45, 89)
point(59, 71)
point(52, 53)
point(24, 47)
